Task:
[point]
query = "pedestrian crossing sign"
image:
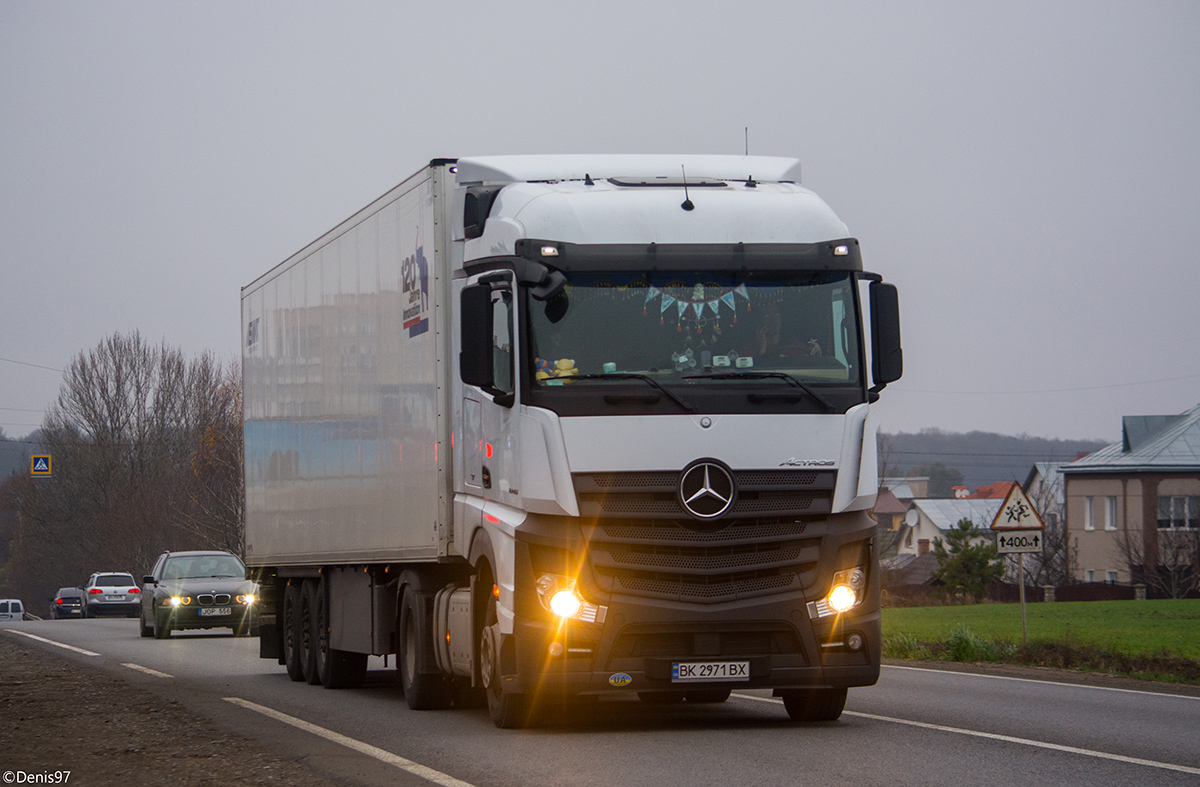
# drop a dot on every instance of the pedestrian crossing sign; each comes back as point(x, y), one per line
point(39, 464)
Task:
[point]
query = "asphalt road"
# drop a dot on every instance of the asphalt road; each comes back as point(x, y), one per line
point(916, 727)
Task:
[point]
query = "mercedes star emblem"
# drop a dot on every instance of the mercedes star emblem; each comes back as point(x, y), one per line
point(706, 489)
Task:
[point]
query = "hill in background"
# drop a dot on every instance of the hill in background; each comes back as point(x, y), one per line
point(982, 457)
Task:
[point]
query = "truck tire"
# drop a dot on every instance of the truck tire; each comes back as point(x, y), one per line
point(421, 691)
point(814, 704)
point(508, 710)
point(308, 633)
point(289, 621)
point(337, 669)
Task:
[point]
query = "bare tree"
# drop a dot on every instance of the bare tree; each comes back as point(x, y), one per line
point(1167, 560)
point(146, 447)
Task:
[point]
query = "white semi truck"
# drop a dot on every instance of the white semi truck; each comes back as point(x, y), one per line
point(552, 427)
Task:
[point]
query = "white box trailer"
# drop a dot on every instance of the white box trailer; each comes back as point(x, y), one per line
point(566, 426)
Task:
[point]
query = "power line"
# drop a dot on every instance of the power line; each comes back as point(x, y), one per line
point(34, 365)
point(20, 410)
point(900, 389)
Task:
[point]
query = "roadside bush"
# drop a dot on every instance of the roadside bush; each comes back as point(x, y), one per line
point(903, 646)
point(965, 645)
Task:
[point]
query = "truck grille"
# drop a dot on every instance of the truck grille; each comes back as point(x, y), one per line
point(669, 559)
point(761, 493)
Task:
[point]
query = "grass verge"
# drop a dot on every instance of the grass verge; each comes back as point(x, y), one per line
point(1155, 640)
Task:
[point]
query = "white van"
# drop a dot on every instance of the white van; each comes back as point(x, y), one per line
point(11, 609)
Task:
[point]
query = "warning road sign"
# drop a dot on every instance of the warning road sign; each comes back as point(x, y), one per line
point(1017, 513)
point(39, 464)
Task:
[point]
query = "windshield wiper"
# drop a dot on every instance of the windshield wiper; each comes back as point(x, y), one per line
point(634, 376)
point(763, 375)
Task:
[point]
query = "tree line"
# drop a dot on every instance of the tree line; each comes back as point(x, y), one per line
point(147, 455)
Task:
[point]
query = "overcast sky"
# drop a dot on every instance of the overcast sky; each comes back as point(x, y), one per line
point(1027, 174)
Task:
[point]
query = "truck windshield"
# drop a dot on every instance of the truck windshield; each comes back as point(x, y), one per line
point(699, 329)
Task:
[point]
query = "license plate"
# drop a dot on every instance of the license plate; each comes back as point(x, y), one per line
point(213, 612)
point(705, 671)
point(115, 598)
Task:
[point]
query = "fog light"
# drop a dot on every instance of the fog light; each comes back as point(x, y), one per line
point(842, 598)
point(854, 642)
point(556, 649)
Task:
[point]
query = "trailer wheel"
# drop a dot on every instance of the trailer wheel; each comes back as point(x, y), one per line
point(308, 633)
point(814, 704)
point(508, 710)
point(421, 691)
point(336, 669)
point(290, 622)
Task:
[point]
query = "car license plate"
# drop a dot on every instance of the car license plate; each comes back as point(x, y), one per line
point(115, 598)
point(213, 612)
point(703, 671)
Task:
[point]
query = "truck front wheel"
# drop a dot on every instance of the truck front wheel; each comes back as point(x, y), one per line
point(814, 704)
point(508, 711)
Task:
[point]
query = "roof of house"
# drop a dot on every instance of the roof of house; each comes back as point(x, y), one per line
point(1148, 442)
point(888, 503)
point(1000, 489)
point(902, 487)
point(911, 569)
point(1051, 478)
point(945, 514)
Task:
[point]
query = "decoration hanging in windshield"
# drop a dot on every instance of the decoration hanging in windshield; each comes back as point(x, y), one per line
point(690, 311)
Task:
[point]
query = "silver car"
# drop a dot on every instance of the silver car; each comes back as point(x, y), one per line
point(111, 593)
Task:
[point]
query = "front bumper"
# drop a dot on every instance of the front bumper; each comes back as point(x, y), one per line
point(638, 646)
point(196, 617)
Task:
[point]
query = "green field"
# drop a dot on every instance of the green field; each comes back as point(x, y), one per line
point(1134, 628)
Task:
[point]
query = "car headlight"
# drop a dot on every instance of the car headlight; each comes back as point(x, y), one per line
point(177, 601)
point(245, 598)
point(558, 594)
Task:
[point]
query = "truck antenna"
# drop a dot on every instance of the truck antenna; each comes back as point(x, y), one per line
point(687, 202)
point(747, 140)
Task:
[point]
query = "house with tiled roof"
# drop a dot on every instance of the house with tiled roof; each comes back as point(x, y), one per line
point(999, 490)
point(1129, 505)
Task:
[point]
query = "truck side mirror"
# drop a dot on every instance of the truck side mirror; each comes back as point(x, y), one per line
point(475, 359)
point(887, 357)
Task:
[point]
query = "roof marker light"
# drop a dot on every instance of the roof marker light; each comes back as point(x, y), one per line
point(841, 251)
point(549, 251)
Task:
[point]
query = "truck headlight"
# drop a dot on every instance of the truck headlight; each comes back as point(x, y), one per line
point(845, 593)
point(558, 594)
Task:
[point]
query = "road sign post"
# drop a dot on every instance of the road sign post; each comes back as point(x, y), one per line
point(1018, 528)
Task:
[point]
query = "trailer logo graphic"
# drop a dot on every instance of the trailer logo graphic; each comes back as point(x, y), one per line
point(414, 275)
point(706, 489)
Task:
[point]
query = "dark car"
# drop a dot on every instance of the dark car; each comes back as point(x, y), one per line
point(197, 590)
point(68, 603)
point(111, 593)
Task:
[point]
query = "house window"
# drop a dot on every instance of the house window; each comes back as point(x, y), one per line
point(1179, 512)
point(1090, 574)
point(1110, 513)
point(1110, 577)
point(1088, 522)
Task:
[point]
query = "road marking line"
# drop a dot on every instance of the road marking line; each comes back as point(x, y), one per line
point(148, 671)
point(1046, 682)
point(52, 642)
point(1007, 739)
point(383, 755)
